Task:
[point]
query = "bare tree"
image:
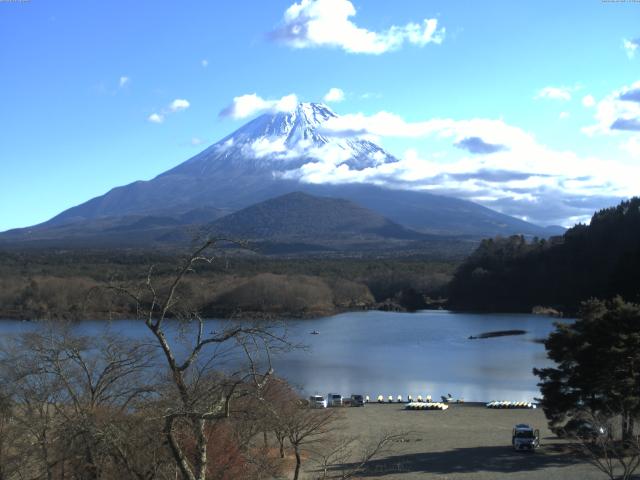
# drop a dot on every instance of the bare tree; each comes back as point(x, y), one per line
point(69, 392)
point(275, 403)
point(606, 443)
point(9, 457)
point(200, 392)
point(86, 408)
point(347, 457)
point(306, 427)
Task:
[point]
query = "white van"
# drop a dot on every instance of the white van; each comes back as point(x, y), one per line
point(317, 401)
point(334, 400)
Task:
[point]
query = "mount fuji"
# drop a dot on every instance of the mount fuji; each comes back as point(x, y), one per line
point(260, 161)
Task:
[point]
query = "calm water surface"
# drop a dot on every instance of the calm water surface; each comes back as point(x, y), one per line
point(387, 353)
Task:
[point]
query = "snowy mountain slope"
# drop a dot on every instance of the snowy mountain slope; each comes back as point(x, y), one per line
point(255, 163)
point(281, 142)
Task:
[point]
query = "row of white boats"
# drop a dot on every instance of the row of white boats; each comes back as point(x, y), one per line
point(508, 404)
point(409, 399)
point(426, 403)
point(426, 406)
point(444, 406)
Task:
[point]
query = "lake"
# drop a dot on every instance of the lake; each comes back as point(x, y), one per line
point(388, 353)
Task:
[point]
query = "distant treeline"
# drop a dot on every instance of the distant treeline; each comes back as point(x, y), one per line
point(600, 260)
point(73, 284)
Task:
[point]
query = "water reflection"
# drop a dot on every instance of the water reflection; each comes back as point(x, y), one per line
point(423, 353)
point(389, 353)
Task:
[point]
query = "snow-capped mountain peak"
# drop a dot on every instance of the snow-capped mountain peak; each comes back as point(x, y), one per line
point(314, 113)
point(284, 142)
point(290, 127)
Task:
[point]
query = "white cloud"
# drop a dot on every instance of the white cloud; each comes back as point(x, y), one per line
point(123, 81)
point(632, 146)
point(156, 118)
point(564, 115)
point(179, 104)
point(588, 101)
point(523, 178)
point(246, 105)
point(278, 148)
point(263, 147)
point(554, 93)
point(630, 46)
point(326, 23)
point(334, 95)
point(204, 62)
point(618, 112)
point(250, 104)
point(286, 103)
point(224, 146)
point(385, 124)
point(195, 141)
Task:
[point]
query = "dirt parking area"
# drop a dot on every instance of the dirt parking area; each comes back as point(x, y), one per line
point(467, 441)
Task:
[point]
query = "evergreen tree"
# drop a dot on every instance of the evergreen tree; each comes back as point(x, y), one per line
point(601, 260)
point(598, 366)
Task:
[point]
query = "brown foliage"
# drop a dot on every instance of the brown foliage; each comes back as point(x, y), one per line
point(271, 293)
point(56, 285)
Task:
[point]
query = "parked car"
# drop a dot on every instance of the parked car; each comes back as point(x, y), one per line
point(317, 401)
point(524, 437)
point(334, 400)
point(357, 400)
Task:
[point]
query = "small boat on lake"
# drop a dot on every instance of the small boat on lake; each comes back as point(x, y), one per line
point(314, 332)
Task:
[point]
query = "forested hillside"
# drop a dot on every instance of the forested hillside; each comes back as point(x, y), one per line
point(57, 284)
point(601, 260)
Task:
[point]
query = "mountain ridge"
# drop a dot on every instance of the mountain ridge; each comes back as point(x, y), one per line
point(298, 215)
point(254, 164)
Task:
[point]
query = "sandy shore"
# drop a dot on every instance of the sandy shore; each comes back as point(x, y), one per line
point(468, 441)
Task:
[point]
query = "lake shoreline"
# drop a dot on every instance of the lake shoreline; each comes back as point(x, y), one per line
point(229, 314)
point(304, 314)
point(378, 352)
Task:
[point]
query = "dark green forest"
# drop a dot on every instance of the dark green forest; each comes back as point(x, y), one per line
point(599, 260)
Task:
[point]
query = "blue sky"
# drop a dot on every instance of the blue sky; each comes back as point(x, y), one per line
point(80, 81)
